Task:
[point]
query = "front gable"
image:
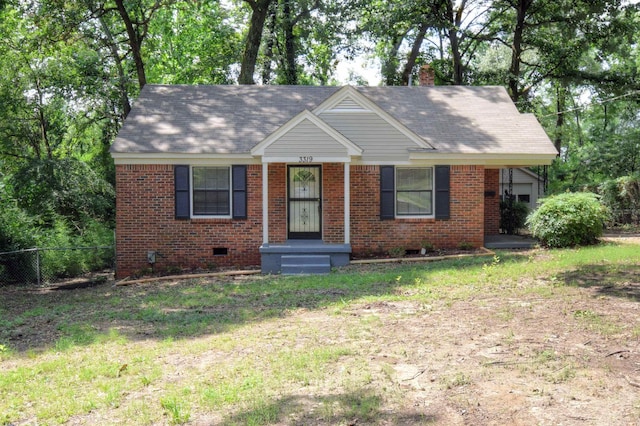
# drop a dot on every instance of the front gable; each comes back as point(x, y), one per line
point(377, 132)
point(306, 138)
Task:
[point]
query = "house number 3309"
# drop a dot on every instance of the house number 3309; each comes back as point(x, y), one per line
point(307, 159)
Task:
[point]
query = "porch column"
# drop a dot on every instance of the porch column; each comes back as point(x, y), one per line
point(265, 203)
point(347, 203)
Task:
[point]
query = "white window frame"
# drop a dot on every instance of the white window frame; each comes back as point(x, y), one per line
point(433, 194)
point(192, 189)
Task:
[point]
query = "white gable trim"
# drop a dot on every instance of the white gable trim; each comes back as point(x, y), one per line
point(352, 149)
point(367, 106)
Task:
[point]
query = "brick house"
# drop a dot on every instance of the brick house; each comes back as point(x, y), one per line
point(301, 178)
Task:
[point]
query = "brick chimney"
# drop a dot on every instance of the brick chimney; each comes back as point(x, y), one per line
point(427, 75)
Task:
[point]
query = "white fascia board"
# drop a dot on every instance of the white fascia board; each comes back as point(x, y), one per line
point(175, 158)
point(367, 104)
point(489, 160)
point(352, 149)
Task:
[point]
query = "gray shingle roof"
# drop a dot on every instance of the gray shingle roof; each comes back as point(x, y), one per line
point(233, 119)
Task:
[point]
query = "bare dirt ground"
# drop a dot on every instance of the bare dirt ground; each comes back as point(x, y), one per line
point(566, 359)
point(467, 365)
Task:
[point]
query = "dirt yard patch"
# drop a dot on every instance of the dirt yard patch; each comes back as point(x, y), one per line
point(557, 345)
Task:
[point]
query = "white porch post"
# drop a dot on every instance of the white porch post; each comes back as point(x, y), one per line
point(347, 204)
point(265, 203)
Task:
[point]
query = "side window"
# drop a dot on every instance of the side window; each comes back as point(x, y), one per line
point(414, 191)
point(524, 198)
point(211, 191)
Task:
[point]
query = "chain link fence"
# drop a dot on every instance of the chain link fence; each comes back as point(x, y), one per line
point(47, 265)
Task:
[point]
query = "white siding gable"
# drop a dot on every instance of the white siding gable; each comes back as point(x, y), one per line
point(381, 136)
point(306, 139)
point(379, 140)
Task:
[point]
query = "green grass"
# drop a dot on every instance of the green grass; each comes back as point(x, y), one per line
point(120, 351)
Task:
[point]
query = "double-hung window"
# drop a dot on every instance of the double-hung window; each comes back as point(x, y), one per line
point(211, 191)
point(414, 191)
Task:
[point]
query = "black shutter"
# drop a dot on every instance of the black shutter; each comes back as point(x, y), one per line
point(183, 204)
point(387, 193)
point(239, 183)
point(443, 210)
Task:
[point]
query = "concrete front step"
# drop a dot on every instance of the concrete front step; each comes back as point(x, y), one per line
point(305, 264)
point(274, 255)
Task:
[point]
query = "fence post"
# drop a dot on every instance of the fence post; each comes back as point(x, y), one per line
point(38, 265)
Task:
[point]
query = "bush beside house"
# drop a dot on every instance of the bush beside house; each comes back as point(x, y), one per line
point(568, 219)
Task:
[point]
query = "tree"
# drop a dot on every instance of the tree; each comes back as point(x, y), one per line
point(53, 120)
point(192, 43)
point(452, 32)
point(548, 39)
point(259, 11)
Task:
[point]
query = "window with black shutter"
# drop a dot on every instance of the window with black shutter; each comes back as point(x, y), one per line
point(414, 192)
point(210, 191)
point(182, 195)
point(239, 181)
point(442, 184)
point(387, 192)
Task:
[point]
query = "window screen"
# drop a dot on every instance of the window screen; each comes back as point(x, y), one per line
point(414, 191)
point(211, 191)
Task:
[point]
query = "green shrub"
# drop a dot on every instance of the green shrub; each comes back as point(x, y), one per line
point(397, 251)
point(73, 262)
point(568, 219)
point(16, 233)
point(622, 197)
point(465, 245)
point(514, 217)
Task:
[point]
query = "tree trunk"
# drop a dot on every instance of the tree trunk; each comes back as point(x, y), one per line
point(454, 40)
point(521, 7)
point(268, 59)
point(122, 78)
point(561, 102)
point(259, 13)
point(290, 69)
point(415, 50)
point(134, 43)
point(390, 63)
point(43, 124)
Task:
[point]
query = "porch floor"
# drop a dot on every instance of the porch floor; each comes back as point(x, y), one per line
point(504, 241)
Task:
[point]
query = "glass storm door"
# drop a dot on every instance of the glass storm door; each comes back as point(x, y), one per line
point(305, 210)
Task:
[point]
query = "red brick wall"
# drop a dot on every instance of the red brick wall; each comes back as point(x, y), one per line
point(145, 217)
point(333, 203)
point(145, 221)
point(277, 202)
point(492, 202)
point(369, 234)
